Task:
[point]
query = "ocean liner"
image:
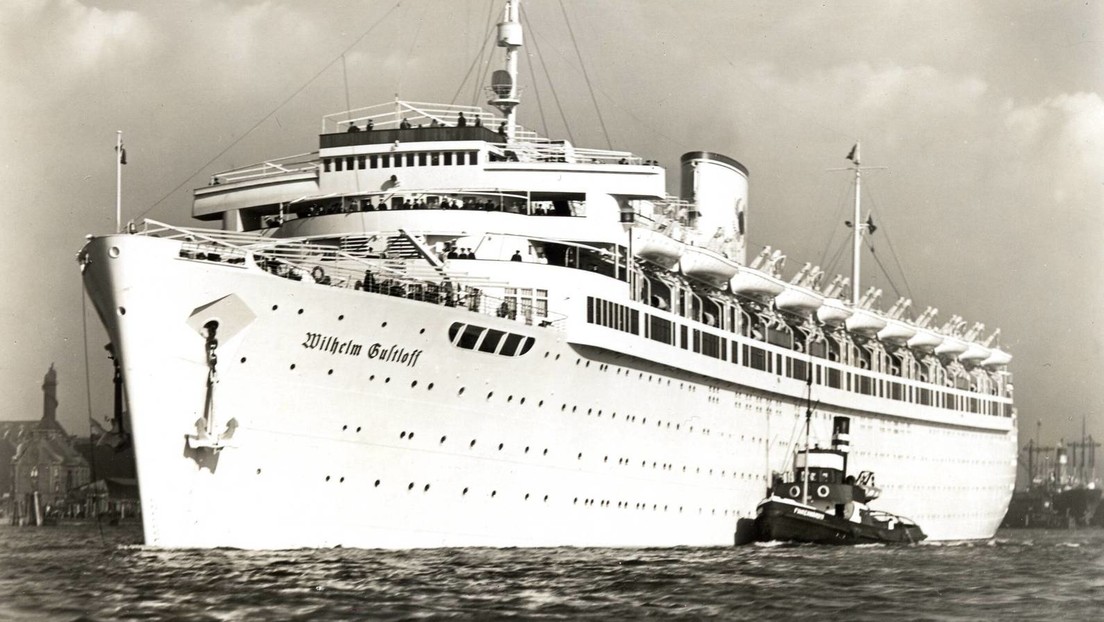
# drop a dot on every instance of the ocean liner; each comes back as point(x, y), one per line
point(442, 329)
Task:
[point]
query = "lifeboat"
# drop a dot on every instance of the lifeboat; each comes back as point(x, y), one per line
point(974, 354)
point(896, 332)
point(656, 247)
point(924, 340)
point(834, 311)
point(799, 300)
point(751, 282)
point(997, 358)
point(865, 322)
point(951, 347)
point(706, 265)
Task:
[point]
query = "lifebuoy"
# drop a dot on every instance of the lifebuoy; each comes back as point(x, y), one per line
point(318, 274)
point(795, 491)
point(822, 491)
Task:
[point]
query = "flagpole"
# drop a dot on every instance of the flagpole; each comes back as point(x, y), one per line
point(119, 181)
point(856, 248)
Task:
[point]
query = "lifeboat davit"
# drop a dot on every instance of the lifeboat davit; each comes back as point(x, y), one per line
point(865, 322)
point(706, 265)
point(656, 247)
point(799, 300)
point(751, 282)
point(896, 332)
point(997, 358)
point(834, 311)
point(924, 340)
point(951, 347)
point(974, 354)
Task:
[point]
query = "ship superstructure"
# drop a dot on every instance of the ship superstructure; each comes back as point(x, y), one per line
point(441, 329)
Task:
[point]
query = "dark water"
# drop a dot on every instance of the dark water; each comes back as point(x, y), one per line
point(70, 573)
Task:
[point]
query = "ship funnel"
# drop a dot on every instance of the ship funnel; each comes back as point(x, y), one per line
point(841, 437)
point(841, 434)
point(717, 187)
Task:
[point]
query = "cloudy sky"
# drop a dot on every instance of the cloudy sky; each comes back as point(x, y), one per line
point(989, 116)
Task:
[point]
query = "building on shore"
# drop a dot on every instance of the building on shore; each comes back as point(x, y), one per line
point(39, 463)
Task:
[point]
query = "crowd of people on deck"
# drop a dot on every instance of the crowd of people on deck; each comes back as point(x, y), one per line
point(405, 124)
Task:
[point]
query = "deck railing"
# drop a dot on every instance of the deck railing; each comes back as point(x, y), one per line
point(314, 263)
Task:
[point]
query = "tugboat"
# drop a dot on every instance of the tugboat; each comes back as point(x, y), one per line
point(821, 504)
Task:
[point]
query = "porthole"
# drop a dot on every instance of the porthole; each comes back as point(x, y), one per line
point(429, 387)
point(464, 492)
point(329, 373)
point(341, 480)
point(461, 391)
point(426, 489)
point(472, 443)
point(509, 398)
point(527, 450)
point(327, 478)
point(546, 498)
point(490, 395)
point(410, 436)
point(526, 496)
point(122, 310)
point(377, 483)
point(500, 445)
point(545, 452)
point(292, 366)
point(300, 312)
point(340, 317)
point(443, 439)
point(411, 486)
point(402, 434)
point(274, 307)
point(344, 427)
point(384, 325)
point(372, 377)
point(421, 332)
point(413, 384)
point(580, 456)
point(540, 404)
point(243, 359)
point(493, 493)
point(521, 401)
point(358, 429)
point(386, 380)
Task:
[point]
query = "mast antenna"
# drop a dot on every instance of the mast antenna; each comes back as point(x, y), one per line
point(504, 81)
point(857, 222)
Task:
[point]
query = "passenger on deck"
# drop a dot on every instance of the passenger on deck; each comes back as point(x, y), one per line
point(516, 257)
point(452, 254)
point(460, 120)
point(371, 124)
point(478, 121)
point(434, 123)
point(382, 205)
point(353, 127)
point(404, 124)
point(502, 129)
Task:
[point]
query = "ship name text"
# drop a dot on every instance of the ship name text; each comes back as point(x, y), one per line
point(349, 347)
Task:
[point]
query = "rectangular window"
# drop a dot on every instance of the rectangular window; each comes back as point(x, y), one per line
point(510, 346)
point(434, 159)
point(834, 378)
point(473, 157)
point(398, 160)
point(866, 385)
point(410, 159)
point(326, 165)
point(684, 337)
point(757, 358)
point(799, 369)
point(490, 342)
point(360, 162)
point(710, 344)
point(448, 158)
point(337, 164)
point(469, 337)
point(659, 329)
point(349, 163)
point(895, 391)
point(385, 160)
point(422, 159)
point(373, 161)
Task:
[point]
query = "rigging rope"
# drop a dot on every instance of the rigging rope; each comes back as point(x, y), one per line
point(547, 76)
point(590, 88)
point(88, 398)
point(536, 89)
point(271, 112)
point(475, 63)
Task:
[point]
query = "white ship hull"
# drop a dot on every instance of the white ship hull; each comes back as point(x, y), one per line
point(592, 438)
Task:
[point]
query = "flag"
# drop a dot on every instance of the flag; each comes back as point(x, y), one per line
point(853, 155)
point(870, 224)
point(122, 153)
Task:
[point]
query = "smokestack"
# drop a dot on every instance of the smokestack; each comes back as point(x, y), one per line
point(841, 437)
